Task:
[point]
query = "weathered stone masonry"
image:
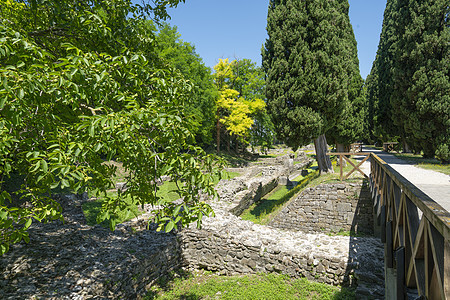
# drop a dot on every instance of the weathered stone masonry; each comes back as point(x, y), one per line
point(76, 261)
point(329, 208)
point(230, 245)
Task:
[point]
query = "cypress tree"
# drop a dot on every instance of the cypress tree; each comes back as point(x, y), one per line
point(351, 126)
point(379, 82)
point(409, 87)
point(305, 59)
point(421, 87)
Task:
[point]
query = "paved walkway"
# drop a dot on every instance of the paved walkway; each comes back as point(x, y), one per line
point(436, 185)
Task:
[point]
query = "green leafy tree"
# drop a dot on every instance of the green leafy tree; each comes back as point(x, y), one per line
point(380, 81)
point(250, 83)
point(80, 82)
point(351, 126)
point(305, 60)
point(409, 83)
point(236, 109)
point(183, 57)
point(421, 74)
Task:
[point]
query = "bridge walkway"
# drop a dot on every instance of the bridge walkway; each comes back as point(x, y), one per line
point(434, 184)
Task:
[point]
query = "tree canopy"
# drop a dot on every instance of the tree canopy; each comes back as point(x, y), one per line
point(307, 59)
point(182, 56)
point(410, 91)
point(81, 84)
point(240, 105)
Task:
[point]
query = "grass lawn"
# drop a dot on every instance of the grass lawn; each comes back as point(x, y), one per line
point(92, 208)
point(207, 285)
point(167, 191)
point(425, 163)
point(262, 211)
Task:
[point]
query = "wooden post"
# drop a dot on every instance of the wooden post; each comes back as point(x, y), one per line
point(383, 224)
point(340, 165)
point(389, 246)
point(400, 257)
point(446, 266)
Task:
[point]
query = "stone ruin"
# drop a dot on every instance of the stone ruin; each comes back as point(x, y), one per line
point(77, 261)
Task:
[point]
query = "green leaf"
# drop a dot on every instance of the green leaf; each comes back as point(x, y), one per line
point(54, 185)
point(44, 166)
point(64, 183)
point(36, 167)
point(176, 210)
point(3, 101)
point(170, 226)
point(112, 224)
point(3, 214)
point(27, 224)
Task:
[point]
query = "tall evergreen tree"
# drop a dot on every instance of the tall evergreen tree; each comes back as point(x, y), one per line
point(421, 71)
point(409, 87)
point(305, 59)
point(379, 82)
point(351, 126)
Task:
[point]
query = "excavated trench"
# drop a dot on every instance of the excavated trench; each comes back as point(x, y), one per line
point(77, 261)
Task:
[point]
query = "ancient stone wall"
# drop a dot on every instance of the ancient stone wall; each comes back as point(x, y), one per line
point(329, 208)
point(77, 261)
point(255, 249)
point(230, 245)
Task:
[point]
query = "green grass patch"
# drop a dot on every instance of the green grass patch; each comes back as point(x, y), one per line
point(262, 211)
point(425, 163)
point(166, 191)
point(249, 287)
point(92, 208)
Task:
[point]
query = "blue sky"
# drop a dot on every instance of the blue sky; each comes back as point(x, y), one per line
point(237, 28)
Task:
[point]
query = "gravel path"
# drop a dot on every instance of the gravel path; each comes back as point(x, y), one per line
point(436, 185)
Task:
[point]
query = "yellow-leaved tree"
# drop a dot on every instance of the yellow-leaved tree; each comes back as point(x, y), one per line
point(234, 111)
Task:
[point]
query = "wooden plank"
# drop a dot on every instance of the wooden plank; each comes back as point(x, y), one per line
point(419, 257)
point(412, 219)
point(400, 258)
point(419, 265)
point(426, 255)
point(348, 153)
point(435, 213)
point(397, 196)
point(437, 251)
point(355, 167)
point(389, 246)
point(383, 224)
point(446, 278)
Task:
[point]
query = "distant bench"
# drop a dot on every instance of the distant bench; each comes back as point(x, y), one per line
point(389, 146)
point(356, 147)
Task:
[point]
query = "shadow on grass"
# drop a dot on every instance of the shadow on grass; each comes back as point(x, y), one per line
point(92, 208)
point(281, 195)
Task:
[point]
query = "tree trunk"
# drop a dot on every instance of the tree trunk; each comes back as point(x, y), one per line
point(323, 160)
point(342, 148)
point(218, 136)
point(405, 147)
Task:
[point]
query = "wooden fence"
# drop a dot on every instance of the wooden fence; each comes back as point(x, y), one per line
point(344, 156)
point(416, 232)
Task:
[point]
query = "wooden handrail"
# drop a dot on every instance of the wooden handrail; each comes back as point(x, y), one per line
point(421, 245)
point(438, 216)
point(343, 155)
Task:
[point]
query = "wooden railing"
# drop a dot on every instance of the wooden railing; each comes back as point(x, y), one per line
point(344, 156)
point(416, 232)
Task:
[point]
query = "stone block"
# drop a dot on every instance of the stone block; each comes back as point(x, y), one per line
point(343, 207)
